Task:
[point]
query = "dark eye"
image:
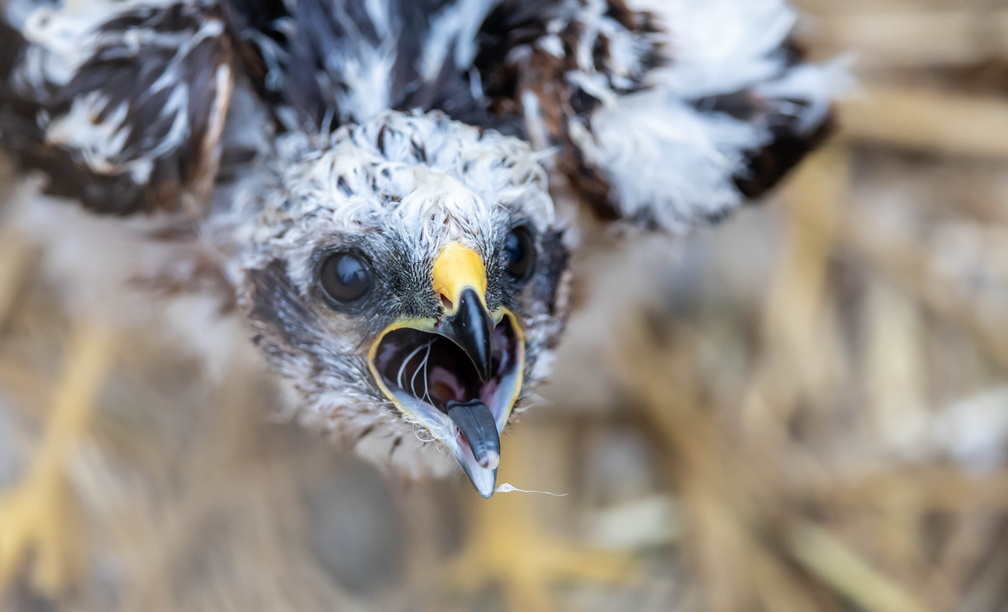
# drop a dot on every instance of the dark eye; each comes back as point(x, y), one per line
point(521, 253)
point(345, 277)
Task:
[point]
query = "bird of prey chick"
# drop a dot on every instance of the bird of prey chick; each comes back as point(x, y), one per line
point(378, 189)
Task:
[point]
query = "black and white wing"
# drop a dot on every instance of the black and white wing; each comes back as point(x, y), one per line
point(121, 103)
point(324, 63)
point(668, 113)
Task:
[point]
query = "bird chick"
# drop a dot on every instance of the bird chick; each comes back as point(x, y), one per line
point(369, 180)
point(408, 275)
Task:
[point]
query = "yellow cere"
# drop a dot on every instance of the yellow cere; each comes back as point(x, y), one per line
point(456, 268)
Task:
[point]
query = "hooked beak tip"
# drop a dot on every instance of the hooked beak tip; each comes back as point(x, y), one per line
point(479, 449)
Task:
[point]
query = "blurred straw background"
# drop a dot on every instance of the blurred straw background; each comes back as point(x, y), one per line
point(804, 408)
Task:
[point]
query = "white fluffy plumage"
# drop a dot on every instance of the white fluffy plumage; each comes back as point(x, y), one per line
point(432, 179)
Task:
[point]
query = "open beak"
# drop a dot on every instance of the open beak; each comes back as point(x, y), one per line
point(459, 375)
point(471, 327)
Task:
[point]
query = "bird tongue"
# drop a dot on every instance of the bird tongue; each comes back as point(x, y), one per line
point(479, 428)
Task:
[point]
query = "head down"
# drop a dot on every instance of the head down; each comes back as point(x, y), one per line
point(408, 276)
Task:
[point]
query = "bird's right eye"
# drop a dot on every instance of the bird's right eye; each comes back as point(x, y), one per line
point(345, 277)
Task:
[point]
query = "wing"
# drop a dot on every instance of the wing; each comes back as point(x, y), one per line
point(323, 63)
point(122, 104)
point(664, 112)
point(669, 113)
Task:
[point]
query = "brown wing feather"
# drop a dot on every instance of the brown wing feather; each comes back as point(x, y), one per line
point(137, 127)
point(560, 67)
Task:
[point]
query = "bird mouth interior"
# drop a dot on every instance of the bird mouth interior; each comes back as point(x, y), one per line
point(426, 373)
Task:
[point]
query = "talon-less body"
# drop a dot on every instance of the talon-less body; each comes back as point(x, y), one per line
point(371, 184)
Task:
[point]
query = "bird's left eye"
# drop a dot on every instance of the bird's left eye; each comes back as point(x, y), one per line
point(521, 253)
point(345, 277)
